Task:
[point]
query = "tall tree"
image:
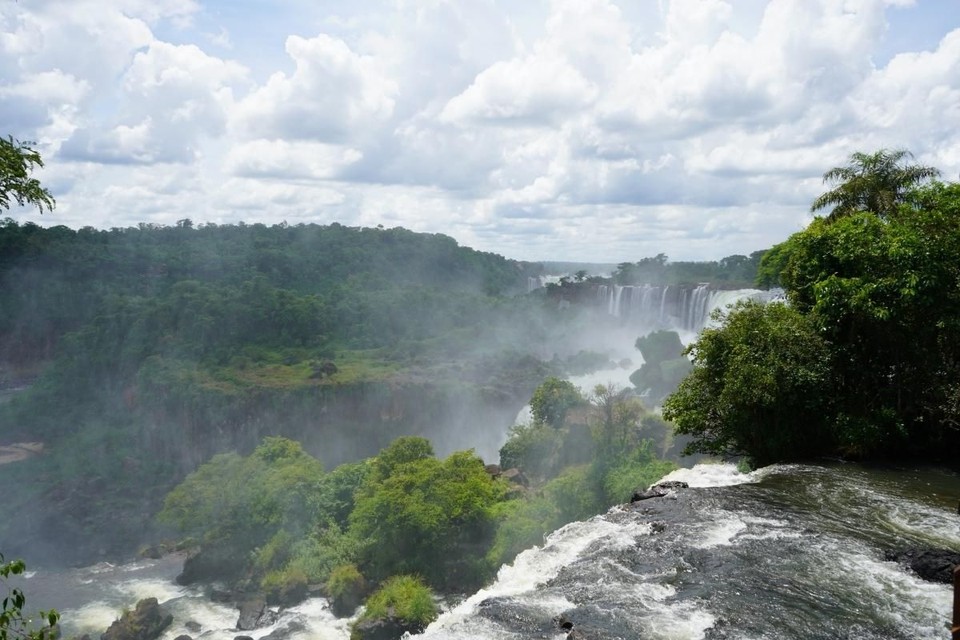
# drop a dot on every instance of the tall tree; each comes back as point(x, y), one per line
point(17, 161)
point(876, 182)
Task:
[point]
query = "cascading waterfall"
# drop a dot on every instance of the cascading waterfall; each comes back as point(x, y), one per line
point(680, 307)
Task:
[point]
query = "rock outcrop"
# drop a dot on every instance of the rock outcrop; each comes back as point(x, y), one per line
point(933, 565)
point(657, 490)
point(146, 622)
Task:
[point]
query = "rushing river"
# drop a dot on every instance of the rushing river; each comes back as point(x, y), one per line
point(790, 551)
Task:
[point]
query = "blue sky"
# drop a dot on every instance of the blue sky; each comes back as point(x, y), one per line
point(587, 130)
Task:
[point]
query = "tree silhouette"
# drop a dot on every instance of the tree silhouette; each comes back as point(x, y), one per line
point(877, 182)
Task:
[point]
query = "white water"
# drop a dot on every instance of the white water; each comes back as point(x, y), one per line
point(529, 571)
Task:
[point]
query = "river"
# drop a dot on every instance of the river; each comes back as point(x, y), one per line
point(788, 551)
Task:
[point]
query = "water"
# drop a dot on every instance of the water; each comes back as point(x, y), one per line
point(785, 552)
point(91, 598)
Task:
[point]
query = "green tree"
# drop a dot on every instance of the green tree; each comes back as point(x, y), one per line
point(429, 518)
point(877, 182)
point(760, 386)
point(17, 161)
point(13, 624)
point(552, 399)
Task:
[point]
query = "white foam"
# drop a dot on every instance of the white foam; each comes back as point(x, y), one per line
point(536, 566)
point(720, 474)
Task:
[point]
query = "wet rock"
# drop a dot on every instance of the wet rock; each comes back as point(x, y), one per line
point(242, 638)
point(291, 628)
point(389, 628)
point(183, 637)
point(564, 623)
point(933, 565)
point(657, 490)
point(209, 565)
point(193, 626)
point(146, 622)
point(255, 614)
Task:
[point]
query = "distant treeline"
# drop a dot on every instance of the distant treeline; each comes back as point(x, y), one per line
point(240, 283)
point(737, 271)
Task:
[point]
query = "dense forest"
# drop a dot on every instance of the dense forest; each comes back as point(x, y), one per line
point(863, 358)
point(147, 350)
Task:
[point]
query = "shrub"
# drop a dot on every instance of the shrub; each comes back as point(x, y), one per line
point(404, 597)
point(346, 587)
point(286, 587)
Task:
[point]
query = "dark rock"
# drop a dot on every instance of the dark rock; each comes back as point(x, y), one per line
point(221, 596)
point(494, 470)
point(564, 623)
point(242, 638)
point(255, 614)
point(658, 490)
point(384, 629)
point(183, 637)
point(515, 476)
point(210, 565)
point(287, 630)
point(146, 622)
point(933, 565)
point(193, 626)
point(153, 552)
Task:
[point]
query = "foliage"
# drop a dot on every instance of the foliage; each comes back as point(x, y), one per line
point(405, 597)
point(552, 399)
point(734, 270)
point(241, 503)
point(333, 498)
point(13, 624)
point(865, 360)
point(345, 579)
point(638, 468)
point(285, 586)
point(884, 294)
point(877, 182)
point(533, 448)
point(426, 517)
point(17, 161)
point(760, 386)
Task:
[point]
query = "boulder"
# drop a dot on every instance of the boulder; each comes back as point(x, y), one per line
point(516, 477)
point(255, 614)
point(657, 490)
point(183, 637)
point(146, 622)
point(389, 628)
point(933, 565)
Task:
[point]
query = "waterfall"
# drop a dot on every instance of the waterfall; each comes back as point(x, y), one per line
point(678, 307)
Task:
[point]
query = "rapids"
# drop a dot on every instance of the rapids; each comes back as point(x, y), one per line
point(785, 552)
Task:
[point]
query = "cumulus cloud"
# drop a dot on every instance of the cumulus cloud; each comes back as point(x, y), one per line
point(333, 92)
point(570, 128)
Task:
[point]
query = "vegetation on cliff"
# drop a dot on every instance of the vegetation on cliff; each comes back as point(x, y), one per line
point(865, 359)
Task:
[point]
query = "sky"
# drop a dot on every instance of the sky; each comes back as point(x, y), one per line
point(580, 130)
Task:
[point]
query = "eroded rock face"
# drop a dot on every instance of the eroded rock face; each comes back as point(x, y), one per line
point(146, 622)
point(933, 565)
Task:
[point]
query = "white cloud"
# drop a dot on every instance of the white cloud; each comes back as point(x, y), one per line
point(592, 129)
point(334, 92)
